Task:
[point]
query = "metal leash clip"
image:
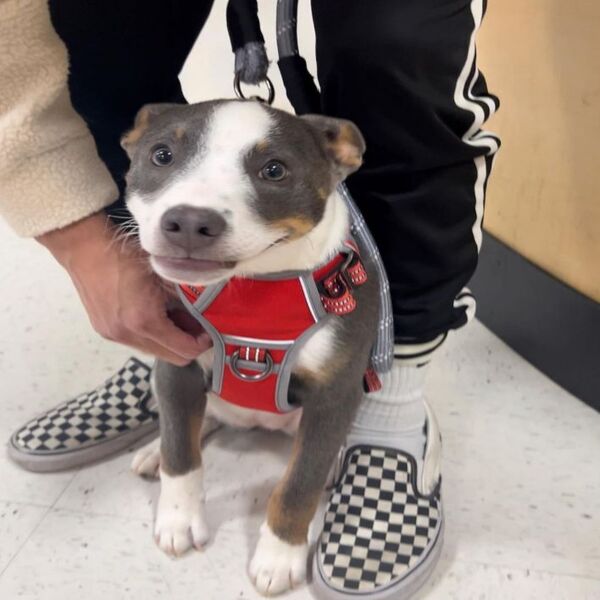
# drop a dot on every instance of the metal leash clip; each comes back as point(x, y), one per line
point(237, 86)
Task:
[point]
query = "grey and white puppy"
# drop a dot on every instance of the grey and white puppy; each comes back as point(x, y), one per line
point(251, 190)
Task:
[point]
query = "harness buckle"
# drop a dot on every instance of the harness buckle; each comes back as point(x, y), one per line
point(336, 289)
point(344, 274)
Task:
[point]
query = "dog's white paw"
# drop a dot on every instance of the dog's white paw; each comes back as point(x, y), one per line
point(146, 461)
point(276, 565)
point(177, 530)
point(180, 522)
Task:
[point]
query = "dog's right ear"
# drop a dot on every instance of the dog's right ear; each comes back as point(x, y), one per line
point(341, 140)
point(144, 117)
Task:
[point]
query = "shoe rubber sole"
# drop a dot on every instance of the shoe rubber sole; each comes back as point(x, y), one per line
point(50, 462)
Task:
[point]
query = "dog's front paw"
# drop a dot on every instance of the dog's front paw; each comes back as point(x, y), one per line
point(146, 461)
point(276, 565)
point(180, 523)
point(177, 530)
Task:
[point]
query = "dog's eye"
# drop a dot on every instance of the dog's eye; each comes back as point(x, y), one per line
point(162, 156)
point(273, 171)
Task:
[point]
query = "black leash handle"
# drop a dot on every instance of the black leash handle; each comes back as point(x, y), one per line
point(243, 24)
point(247, 41)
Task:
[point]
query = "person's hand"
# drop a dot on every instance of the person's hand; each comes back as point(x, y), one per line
point(124, 300)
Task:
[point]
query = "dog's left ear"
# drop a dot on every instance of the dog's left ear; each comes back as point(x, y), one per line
point(144, 117)
point(342, 141)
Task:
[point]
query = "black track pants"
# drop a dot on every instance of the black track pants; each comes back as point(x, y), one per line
point(403, 70)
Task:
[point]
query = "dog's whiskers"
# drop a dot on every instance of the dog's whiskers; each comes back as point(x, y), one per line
point(126, 237)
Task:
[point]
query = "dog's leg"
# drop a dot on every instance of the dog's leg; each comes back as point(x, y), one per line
point(279, 561)
point(146, 461)
point(181, 395)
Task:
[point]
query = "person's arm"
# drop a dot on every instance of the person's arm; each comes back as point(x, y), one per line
point(50, 173)
point(53, 186)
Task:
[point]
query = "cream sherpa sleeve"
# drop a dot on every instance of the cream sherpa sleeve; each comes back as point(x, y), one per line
point(50, 172)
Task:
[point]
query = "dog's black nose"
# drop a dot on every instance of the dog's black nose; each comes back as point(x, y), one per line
point(192, 228)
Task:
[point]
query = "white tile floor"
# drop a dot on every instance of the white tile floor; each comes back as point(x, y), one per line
point(521, 457)
point(521, 473)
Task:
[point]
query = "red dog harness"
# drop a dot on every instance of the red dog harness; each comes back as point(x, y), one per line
point(258, 326)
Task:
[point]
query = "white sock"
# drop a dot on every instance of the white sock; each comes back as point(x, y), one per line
point(395, 415)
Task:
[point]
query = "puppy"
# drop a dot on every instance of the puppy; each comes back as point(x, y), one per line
point(236, 204)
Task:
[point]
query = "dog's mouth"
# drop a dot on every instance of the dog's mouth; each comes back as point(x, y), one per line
point(190, 270)
point(199, 271)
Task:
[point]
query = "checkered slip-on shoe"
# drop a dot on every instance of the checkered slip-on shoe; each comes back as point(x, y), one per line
point(382, 537)
point(91, 426)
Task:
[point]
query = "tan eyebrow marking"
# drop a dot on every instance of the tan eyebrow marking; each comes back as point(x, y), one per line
point(296, 226)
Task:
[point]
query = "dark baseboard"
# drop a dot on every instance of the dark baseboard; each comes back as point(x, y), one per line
point(550, 324)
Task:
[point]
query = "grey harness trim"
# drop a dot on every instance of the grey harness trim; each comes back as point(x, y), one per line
point(382, 355)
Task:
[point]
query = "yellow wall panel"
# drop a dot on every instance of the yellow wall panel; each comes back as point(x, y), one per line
point(542, 57)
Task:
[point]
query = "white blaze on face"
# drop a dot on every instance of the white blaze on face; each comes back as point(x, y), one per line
point(215, 179)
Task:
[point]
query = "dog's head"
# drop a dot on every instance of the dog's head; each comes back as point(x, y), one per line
point(216, 184)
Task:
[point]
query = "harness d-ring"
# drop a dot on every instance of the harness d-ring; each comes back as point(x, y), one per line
point(235, 357)
point(237, 86)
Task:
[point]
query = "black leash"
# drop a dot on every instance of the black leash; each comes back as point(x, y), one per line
point(251, 60)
